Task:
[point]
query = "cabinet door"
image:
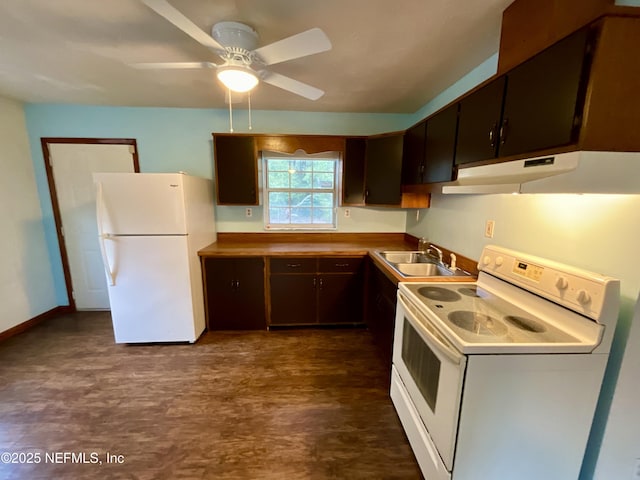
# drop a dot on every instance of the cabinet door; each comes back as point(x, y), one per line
point(220, 291)
point(383, 170)
point(440, 145)
point(293, 299)
point(250, 294)
point(353, 171)
point(479, 122)
point(340, 298)
point(236, 169)
point(381, 311)
point(544, 98)
point(413, 161)
point(235, 293)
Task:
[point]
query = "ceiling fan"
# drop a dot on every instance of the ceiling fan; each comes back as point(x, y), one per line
point(243, 65)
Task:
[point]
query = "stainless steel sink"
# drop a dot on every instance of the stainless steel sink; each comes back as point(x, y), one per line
point(417, 264)
point(423, 270)
point(404, 257)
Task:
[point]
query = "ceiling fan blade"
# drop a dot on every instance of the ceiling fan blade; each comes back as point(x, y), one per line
point(306, 43)
point(291, 85)
point(173, 15)
point(173, 65)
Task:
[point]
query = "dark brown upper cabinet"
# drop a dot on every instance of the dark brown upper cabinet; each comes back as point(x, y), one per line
point(353, 162)
point(535, 106)
point(413, 159)
point(440, 145)
point(235, 158)
point(544, 97)
point(479, 121)
point(383, 170)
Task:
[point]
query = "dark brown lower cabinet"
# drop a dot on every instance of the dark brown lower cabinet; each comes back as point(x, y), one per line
point(381, 311)
point(340, 298)
point(234, 289)
point(311, 291)
point(293, 299)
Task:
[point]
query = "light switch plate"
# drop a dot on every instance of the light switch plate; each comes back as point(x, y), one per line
point(488, 228)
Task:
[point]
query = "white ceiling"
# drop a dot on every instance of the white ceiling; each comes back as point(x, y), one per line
point(388, 56)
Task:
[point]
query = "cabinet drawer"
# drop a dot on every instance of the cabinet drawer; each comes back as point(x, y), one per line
point(293, 264)
point(339, 264)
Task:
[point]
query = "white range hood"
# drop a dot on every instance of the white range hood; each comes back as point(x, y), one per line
point(572, 172)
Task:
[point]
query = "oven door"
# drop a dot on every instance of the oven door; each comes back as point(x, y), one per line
point(432, 371)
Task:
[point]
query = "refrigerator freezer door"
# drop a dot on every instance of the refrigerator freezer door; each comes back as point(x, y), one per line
point(141, 203)
point(151, 300)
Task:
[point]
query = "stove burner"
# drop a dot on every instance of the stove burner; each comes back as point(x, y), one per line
point(525, 324)
point(478, 323)
point(469, 291)
point(438, 293)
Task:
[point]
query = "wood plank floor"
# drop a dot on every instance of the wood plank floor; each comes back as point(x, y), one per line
point(293, 404)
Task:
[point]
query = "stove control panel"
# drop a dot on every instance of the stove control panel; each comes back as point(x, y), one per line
point(579, 290)
point(527, 270)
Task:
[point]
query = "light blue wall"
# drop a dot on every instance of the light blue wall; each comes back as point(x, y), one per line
point(175, 139)
point(482, 72)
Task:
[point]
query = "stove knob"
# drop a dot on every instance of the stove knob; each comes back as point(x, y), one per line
point(499, 261)
point(486, 260)
point(583, 297)
point(562, 283)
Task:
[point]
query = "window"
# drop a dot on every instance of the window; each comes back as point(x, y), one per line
point(300, 190)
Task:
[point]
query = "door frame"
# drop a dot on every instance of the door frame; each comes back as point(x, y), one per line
point(45, 141)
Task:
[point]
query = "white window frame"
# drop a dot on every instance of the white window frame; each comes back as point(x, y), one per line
point(332, 156)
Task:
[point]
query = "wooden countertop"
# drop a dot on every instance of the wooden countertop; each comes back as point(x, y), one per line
point(301, 244)
point(318, 244)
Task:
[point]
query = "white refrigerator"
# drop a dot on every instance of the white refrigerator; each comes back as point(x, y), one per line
point(150, 228)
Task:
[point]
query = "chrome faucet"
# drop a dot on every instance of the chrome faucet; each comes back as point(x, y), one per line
point(435, 251)
point(423, 245)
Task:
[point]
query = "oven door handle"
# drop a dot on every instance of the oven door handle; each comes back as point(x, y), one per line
point(433, 335)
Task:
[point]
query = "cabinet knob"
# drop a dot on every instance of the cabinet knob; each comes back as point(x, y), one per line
point(294, 265)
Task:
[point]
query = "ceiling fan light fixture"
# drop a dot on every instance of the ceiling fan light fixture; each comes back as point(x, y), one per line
point(237, 78)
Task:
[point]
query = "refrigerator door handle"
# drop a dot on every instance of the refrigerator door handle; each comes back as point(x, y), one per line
point(103, 236)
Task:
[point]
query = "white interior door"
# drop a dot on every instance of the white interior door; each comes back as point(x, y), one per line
point(73, 165)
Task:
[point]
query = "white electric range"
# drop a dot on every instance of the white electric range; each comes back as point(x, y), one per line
point(499, 378)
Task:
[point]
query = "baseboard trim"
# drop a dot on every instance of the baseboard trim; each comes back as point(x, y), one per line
point(24, 326)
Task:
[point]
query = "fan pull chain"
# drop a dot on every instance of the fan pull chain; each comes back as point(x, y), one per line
point(230, 113)
point(249, 101)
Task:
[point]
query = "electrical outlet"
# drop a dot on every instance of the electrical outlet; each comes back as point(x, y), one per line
point(248, 212)
point(636, 470)
point(488, 228)
point(347, 213)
